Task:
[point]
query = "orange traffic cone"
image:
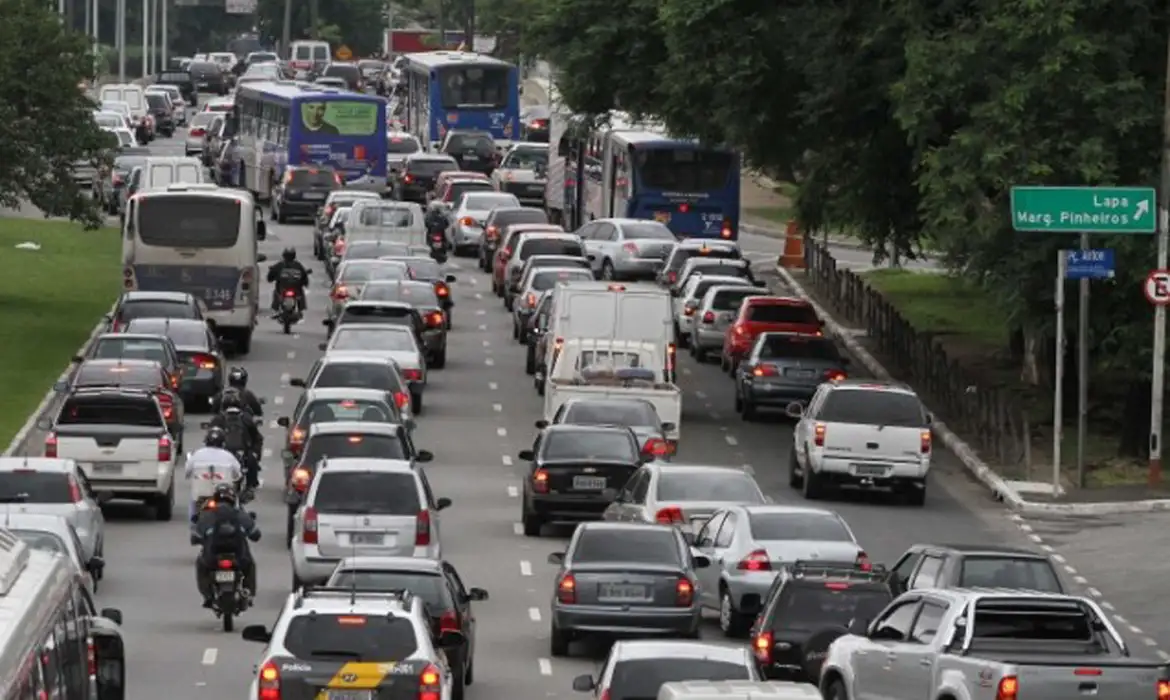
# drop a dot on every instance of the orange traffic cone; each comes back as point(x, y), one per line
point(793, 255)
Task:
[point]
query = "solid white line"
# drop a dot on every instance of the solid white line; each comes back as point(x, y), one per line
point(513, 492)
point(292, 354)
point(502, 432)
point(545, 667)
point(210, 654)
point(277, 400)
point(731, 440)
point(507, 460)
point(534, 614)
point(489, 361)
point(493, 386)
point(525, 567)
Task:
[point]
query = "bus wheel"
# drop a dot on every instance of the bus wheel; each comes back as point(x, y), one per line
point(244, 342)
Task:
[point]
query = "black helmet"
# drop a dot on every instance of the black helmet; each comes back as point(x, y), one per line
point(225, 494)
point(215, 437)
point(289, 254)
point(238, 378)
point(231, 399)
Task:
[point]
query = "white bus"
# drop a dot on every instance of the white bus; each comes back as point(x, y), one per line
point(53, 644)
point(202, 240)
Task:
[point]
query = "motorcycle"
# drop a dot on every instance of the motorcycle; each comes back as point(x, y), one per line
point(229, 599)
point(290, 311)
point(438, 248)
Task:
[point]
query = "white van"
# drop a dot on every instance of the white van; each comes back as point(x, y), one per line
point(202, 240)
point(387, 220)
point(135, 97)
point(160, 172)
point(738, 690)
point(307, 55)
point(618, 311)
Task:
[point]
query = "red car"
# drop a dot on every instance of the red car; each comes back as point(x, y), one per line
point(766, 314)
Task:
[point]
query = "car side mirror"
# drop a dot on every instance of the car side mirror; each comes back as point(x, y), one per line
point(845, 362)
point(556, 558)
point(443, 504)
point(256, 633)
point(61, 386)
point(114, 615)
point(96, 565)
point(261, 257)
point(583, 684)
point(477, 594)
point(541, 424)
point(424, 456)
point(283, 421)
point(322, 346)
point(297, 382)
point(702, 562)
point(794, 410)
point(450, 278)
point(527, 455)
point(930, 418)
point(107, 317)
point(451, 639)
point(78, 358)
point(668, 427)
point(760, 283)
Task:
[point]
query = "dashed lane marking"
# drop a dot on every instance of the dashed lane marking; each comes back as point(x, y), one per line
point(487, 343)
point(489, 361)
point(272, 424)
point(277, 400)
point(518, 529)
point(210, 654)
point(478, 295)
point(525, 567)
point(267, 452)
point(498, 407)
point(534, 614)
point(285, 379)
point(700, 394)
point(506, 460)
point(513, 492)
point(545, 667)
point(502, 432)
point(731, 440)
point(480, 312)
point(292, 354)
point(493, 386)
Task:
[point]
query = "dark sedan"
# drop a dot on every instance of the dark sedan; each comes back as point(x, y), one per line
point(303, 190)
point(783, 368)
point(203, 360)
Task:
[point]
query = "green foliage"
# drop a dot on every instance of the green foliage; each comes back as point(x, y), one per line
point(358, 24)
point(45, 123)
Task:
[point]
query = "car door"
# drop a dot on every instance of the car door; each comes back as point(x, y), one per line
point(604, 242)
point(899, 578)
point(705, 545)
point(640, 502)
point(928, 572)
point(436, 515)
point(587, 233)
point(622, 505)
point(722, 554)
point(874, 663)
point(913, 675)
point(463, 600)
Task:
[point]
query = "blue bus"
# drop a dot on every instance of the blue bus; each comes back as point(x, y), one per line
point(644, 174)
point(444, 90)
point(279, 124)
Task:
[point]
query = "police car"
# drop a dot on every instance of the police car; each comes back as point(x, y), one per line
point(349, 644)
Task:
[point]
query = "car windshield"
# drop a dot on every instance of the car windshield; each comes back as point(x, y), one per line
point(783, 313)
point(367, 493)
point(873, 407)
point(729, 300)
point(388, 339)
point(32, 486)
point(648, 231)
point(815, 606)
point(380, 270)
point(815, 527)
point(381, 638)
point(387, 216)
point(44, 541)
point(129, 349)
point(526, 159)
point(355, 445)
point(110, 410)
point(1009, 572)
point(589, 445)
point(626, 545)
point(477, 201)
point(418, 295)
point(333, 410)
point(357, 375)
point(426, 585)
point(728, 485)
point(798, 347)
point(633, 414)
point(640, 679)
point(543, 281)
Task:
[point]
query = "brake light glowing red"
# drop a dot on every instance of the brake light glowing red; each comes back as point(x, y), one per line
point(225, 564)
point(762, 647)
point(684, 592)
point(268, 682)
point(435, 319)
point(863, 563)
point(926, 441)
point(429, 686)
point(656, 447)
point(668, 516)
point(567, 589)
point(1008, 689)
point(819, 435)
point(165, 448)
point(684, 208)
point(755, 561)
point(540, 481)
point(412, 375)
point(51, 445)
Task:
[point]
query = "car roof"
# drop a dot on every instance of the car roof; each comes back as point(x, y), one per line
point(40, 464)
point(606, 401)
point(728, 279)
point(634, 649)
point(118, 362)
point(780, 508)
point(375, 302)
point(20, 520)
point(872, 385)
point(583, 428)
point(134, 336)
point(353, 426)
point(610, 525)
point(690, 243)
point(167, 322)
point(531, 235)
point(982, 549)
point(336, 393)
point(366, 464)
point(675, 468)
point(353, 358)
point(158, 296)
point(392, 564)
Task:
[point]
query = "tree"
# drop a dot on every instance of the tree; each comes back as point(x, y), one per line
point(359, 24)
point(45, 122)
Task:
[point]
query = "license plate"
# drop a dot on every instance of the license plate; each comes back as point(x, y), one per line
point(225, 576)
point(349, 695)
point(622, 591)
point(314, 195)
point(470, 157)
point(536, 189)
point(366, 538)
point(107, 468)
point(805, 373)
point(288, 304)
point(589, 483)
point(870, 469)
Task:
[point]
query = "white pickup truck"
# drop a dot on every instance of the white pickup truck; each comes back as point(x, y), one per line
point(608, 368)
point(119, 438)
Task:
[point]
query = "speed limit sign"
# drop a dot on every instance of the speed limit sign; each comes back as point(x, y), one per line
point(1157, 287)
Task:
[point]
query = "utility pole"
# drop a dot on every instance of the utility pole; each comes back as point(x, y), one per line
point(285, 38)
point(314, 14)
point(166, 37)
point(1159, 379)
point(145, 38)
point(120, 38)
point(442, 24)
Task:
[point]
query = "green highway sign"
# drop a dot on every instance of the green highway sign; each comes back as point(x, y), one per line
point(1084, 209)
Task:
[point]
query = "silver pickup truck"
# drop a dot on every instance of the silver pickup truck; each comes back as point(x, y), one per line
point(988, 644)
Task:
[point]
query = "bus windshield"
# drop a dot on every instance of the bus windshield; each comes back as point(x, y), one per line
point(683, 169)
point(473, 86)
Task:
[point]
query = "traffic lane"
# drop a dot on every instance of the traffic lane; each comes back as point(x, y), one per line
point(1117, 559)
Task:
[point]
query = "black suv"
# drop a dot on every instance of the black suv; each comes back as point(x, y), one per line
point(208, 77)
point(810, 604)
point(181, 80)
point(303, 191)
point(418, 174)
point(475, 151)
point(163, 112)
point(349, 72)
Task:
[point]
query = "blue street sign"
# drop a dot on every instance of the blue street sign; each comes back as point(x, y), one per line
point(1089, 264)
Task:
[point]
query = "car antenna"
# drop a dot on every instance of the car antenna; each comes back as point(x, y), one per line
point(353, 578)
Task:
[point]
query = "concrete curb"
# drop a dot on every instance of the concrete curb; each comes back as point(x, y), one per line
point(971, 461)
point(18, 441)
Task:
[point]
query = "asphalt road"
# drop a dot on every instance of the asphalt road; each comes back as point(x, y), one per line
point(480, 413)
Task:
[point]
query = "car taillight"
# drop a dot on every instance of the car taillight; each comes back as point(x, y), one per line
point(567, 589)
point(339, 292)
point(755, 561)
point(408, 178)
point(401, 399)
point(834, 375)
point(762, 647)
point(684, 208)
point(669, 516)
point(300, 480)
point(492, 232)
point(268, 682)
point(225, 564)
point(540, 481)
point(926, 441)
point(656, 447)
point(297, 437)
point(165, 448)
point(167, 404)
point(1008, 688)
point(467, 221)
point(709, 317)
point(819, 435)
point(290, 293)
point(863, 563)
point(726, 231)
point(51, 445)
point(205, 361)
point(448, 622)
point(442, 290)
point(764, 371)
point(422, 529)
point(412, 375)
point(74, 491)
point(339, 247)
point(435, 320)
point(429, 683)
point(684, 592)
point(91, 657)
point(197, 132)
point(1163, 690)
point(631, 248)
point(309, 529)
point(530, 300)
point(688, 310)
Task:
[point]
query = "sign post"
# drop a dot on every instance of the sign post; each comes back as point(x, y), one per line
point(1058, 398)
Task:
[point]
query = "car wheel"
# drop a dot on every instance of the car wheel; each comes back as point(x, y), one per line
point(607, 271)
point(795, 479)
point(439, 361)
point(531, 523)
point(732, 622)
point(558, 642)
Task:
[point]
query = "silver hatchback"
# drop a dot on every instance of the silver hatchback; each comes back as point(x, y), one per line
point(46, 486)
point(364, 507)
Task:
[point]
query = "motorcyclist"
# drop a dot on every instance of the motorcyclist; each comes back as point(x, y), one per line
point(209, 466)
point(242, 434)
point(436, 222)
point(237, 380)
point(287, 273)
point(224, 531)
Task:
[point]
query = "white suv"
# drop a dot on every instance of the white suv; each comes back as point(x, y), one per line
point(364, 507)
point(863, 432)
point(321, 633)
